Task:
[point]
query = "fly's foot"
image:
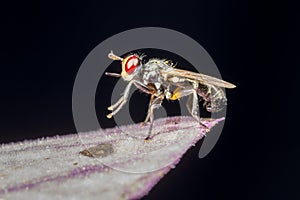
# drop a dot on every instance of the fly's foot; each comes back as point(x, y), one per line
point(207, 129)
point(143, 123)
point(109, 115)
point(110, 108)
point(147, 139)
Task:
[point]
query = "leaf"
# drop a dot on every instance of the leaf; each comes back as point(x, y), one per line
point(104, 164)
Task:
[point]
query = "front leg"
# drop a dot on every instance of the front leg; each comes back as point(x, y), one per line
point(120, 103)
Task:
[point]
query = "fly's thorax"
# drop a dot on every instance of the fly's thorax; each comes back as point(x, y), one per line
point(150, 73)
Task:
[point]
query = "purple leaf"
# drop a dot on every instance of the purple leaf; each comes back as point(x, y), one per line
point(105, 164)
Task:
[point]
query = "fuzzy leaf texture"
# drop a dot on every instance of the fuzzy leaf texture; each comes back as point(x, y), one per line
point(105, 164)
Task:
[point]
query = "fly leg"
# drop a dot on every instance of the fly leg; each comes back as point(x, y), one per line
point(154, 103)
point(120, 103)
point(192, 105)
point(192, 102)
point(142, 87)
point(112, 107)
point(149, 111)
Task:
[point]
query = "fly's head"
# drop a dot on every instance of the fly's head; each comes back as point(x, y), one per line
point(129, 64)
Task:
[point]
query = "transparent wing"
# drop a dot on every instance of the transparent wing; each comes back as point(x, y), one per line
point(204, 79)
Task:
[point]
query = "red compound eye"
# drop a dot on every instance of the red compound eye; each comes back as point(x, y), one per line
point(131, 63)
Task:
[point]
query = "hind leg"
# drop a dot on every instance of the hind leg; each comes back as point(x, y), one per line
point(192, 102)
point(193, 107)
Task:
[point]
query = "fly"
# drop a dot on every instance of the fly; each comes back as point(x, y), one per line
point(159, 77)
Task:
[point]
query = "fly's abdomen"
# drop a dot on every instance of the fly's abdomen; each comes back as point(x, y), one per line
point(214, 97)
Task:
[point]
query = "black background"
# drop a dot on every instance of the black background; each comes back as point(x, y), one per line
point(253, 43)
